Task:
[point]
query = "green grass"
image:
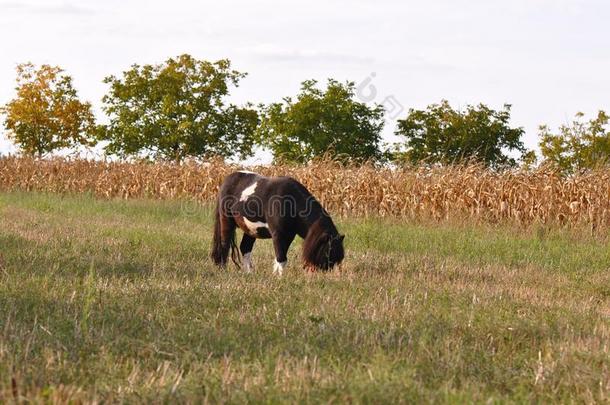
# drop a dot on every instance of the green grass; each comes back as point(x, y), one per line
point(117, 301)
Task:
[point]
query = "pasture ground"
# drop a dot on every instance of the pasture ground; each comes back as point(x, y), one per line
point(117, 301)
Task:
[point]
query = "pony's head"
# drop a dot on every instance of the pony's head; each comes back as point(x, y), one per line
point(323, 247)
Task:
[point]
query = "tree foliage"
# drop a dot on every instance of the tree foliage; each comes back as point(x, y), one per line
point(441, 134)
point(46, 113)
point(177, 110)
point(579, 145)
point(322, 122)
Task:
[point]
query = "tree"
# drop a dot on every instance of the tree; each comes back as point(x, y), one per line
point(46, 113)
point(443, 135)
point(322, 122)
point(579, 145)
point(177, 110)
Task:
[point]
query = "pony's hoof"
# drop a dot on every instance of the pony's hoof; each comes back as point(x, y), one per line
point(278, 268)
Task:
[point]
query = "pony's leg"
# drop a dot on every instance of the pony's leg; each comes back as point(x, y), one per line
point(281, 243)
point(245, 247)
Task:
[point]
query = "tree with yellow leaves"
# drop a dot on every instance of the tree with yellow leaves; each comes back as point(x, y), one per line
point(46, 114)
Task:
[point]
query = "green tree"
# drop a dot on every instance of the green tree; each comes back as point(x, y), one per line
point(46, 113)
point(443, 135)
point(322, 122)
point(579, 145)
point(177, 110)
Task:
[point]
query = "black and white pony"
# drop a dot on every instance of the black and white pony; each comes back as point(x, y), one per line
point(278, 208)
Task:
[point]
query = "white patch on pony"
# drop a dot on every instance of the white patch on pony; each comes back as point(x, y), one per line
point(245, 172)
point(253, 226)
point(248, 266)
point(279, 267)
point(248, 191)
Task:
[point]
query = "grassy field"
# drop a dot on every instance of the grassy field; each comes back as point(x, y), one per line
point(117, 301)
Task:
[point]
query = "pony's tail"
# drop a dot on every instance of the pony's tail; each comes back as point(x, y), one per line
point(224, 240)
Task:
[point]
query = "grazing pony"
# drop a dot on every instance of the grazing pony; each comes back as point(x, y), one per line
point(278, 208)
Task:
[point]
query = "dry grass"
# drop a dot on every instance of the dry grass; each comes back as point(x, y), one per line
point(541, 196)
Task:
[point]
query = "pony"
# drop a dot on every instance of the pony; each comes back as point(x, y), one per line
point(277, 208)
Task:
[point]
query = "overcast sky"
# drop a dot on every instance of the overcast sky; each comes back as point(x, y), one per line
point(548, 58)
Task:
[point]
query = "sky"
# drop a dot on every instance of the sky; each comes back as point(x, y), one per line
point(549, 59)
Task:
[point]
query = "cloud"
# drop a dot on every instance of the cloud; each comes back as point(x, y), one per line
point(11, 5)
point(64, 8)
point(278, 54)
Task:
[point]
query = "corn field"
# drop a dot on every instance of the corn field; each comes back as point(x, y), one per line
point(541, 196)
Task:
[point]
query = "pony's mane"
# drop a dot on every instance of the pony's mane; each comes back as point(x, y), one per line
point(317, 242)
